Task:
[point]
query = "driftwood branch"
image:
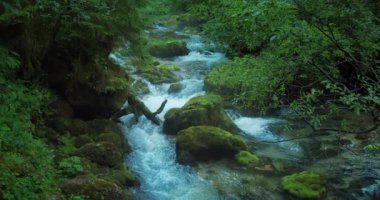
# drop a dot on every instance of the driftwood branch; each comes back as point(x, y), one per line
point(138, 108)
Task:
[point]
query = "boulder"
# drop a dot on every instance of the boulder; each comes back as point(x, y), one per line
point(202, 110)
point(102, 153)
point(168, 49)
point(175, 88)
point(202, 143)
point(158, 74)
point(93, 188)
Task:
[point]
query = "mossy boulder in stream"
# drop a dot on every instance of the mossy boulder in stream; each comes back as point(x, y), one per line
point(167, 49)
point(158, 74)
point(304, 185)
point(175, 88)
point(202, 110)
point(202, 143)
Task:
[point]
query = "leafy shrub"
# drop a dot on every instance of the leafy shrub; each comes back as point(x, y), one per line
point(71, 166)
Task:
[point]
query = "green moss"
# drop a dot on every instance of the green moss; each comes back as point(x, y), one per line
point(168, 67)
point(375, 147)
point(200, 143)
point(202, 110)
point(246, 158)
point(167, 48)
point(307, 185)
point(158, 76)
point(175, 87)
point(208, 101)
point(115, 84)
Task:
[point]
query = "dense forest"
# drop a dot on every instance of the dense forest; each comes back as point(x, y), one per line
point(207, 83)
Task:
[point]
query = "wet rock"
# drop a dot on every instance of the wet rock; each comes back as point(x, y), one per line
point(175, 88)
point(304, 185)
point(203, 110)
point(93, 188)
point(201, 143)
point(102, 153)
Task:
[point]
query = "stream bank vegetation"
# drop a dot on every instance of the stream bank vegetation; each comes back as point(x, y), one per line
point(320, 58)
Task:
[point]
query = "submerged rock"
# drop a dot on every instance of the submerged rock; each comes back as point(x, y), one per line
point(201, 143)
point(305, 185)
point(202, 110)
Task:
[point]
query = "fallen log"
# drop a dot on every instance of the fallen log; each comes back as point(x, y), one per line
point(138, 108)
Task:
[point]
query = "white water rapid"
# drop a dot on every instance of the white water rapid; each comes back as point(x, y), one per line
point(153, 157)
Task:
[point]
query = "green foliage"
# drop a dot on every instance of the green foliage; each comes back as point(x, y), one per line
point(246, 158)
point(249, 82)
point(305, 185)
point(66, 145)
point(26, 164)
point(300, 47)
point(9, 62)
point(116, 84)
point(71, 166)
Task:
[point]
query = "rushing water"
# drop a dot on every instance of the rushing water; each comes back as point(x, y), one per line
point(153, 157)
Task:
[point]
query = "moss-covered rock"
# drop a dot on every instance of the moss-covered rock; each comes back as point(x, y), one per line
point(167, 49)
point(375, 147)
point(92, 188)
point(117, 139)
point(157, 75)
point(202, 110)
point(246, 158)
point(201, 143)
point(175, 88)
point(102, 153)
point(123, 177)
point(305, 185)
